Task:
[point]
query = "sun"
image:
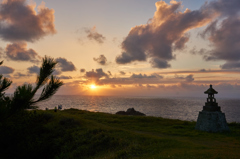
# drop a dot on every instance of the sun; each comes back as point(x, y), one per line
point(93, 86)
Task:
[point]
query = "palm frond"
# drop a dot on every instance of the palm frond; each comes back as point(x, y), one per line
point(50, 89)
point(46, 70)
point(4, 83)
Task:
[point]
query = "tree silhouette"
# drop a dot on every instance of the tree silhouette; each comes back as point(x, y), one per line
point(23, 97)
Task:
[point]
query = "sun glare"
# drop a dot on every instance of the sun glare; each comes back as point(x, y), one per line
point(93, 86)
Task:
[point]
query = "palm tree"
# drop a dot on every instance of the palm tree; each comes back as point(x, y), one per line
point(23, 95)
point(4, 84)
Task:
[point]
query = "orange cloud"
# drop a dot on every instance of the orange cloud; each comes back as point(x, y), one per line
point(165, 32)
point(19, 52)
point(22, 23)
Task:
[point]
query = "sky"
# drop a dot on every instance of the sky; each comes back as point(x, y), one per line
point(124, 48)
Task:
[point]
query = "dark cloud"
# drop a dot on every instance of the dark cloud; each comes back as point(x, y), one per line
point(19, 75)
point(6, 70)
point(65, 65)
point(165, 32)
point(122, 72)
point(189, 78)
point(92, 34)
point(145, 76)
point(101, 60)
point(65, 77)
point(202, 51)
point(223, 7)
point(33, 69)
point(180, 43)
point(20, 22)
point(179, 77)
point(127, 58)
point(19, 52)
point(95, 76)
point(110, 74)
point(224, 33)
point(203, 70)
point(82, 70)
point(168, 31)
point(225, 40)
point(230, 65)
point(210, 71)
point(159, 63)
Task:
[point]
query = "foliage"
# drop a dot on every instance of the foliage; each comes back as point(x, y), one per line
point(23, 97)
point(81, 134)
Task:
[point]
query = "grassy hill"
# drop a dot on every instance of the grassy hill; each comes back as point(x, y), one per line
point(81, 134)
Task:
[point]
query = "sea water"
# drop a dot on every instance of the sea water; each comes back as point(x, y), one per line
point(172, 108)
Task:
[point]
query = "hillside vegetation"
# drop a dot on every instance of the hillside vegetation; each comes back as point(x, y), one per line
point(81, 134)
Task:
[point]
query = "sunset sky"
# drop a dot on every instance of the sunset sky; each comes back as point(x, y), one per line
point(124, 47)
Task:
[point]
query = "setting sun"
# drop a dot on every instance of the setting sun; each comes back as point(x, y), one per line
point(93, 86)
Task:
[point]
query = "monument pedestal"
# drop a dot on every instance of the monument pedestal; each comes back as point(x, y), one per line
point(211, 121)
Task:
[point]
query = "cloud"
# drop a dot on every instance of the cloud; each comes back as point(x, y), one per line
point(57, 72)
point(1, 52)
point(20, 22)
point(180, 43)
point(36, 69)
point(231, 65)
point(145, 76)
point(122, 72)
point(202, 51)
point(224, 34)
point(188, 78)
point(95, 76)
point(82, 70)
point(92, 34)
point(65, 77)
point(179, 77)
point(19, 52)
point(19, 75)
point(225, 39)
point(33, 69)
point(110, 74)
point(159, 63)
point(150, 86)
point(65, 65)
point(6, 70)
point(101, 60)
point(165, 32)
point(203, 70)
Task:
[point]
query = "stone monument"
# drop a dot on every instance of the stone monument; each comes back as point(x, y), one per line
point(211, 119)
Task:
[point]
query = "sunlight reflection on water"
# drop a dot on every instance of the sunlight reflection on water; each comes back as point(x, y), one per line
point(173, 108)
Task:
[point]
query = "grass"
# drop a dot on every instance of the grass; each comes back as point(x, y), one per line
point(81, 134)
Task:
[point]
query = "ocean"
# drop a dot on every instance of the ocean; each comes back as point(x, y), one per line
point(172, 108)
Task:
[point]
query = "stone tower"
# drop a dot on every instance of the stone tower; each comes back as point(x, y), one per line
point(211, 119)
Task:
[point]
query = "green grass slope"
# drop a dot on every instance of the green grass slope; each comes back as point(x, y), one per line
point(81, 134)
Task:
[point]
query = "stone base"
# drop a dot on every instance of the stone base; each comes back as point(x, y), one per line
point(211, 122)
